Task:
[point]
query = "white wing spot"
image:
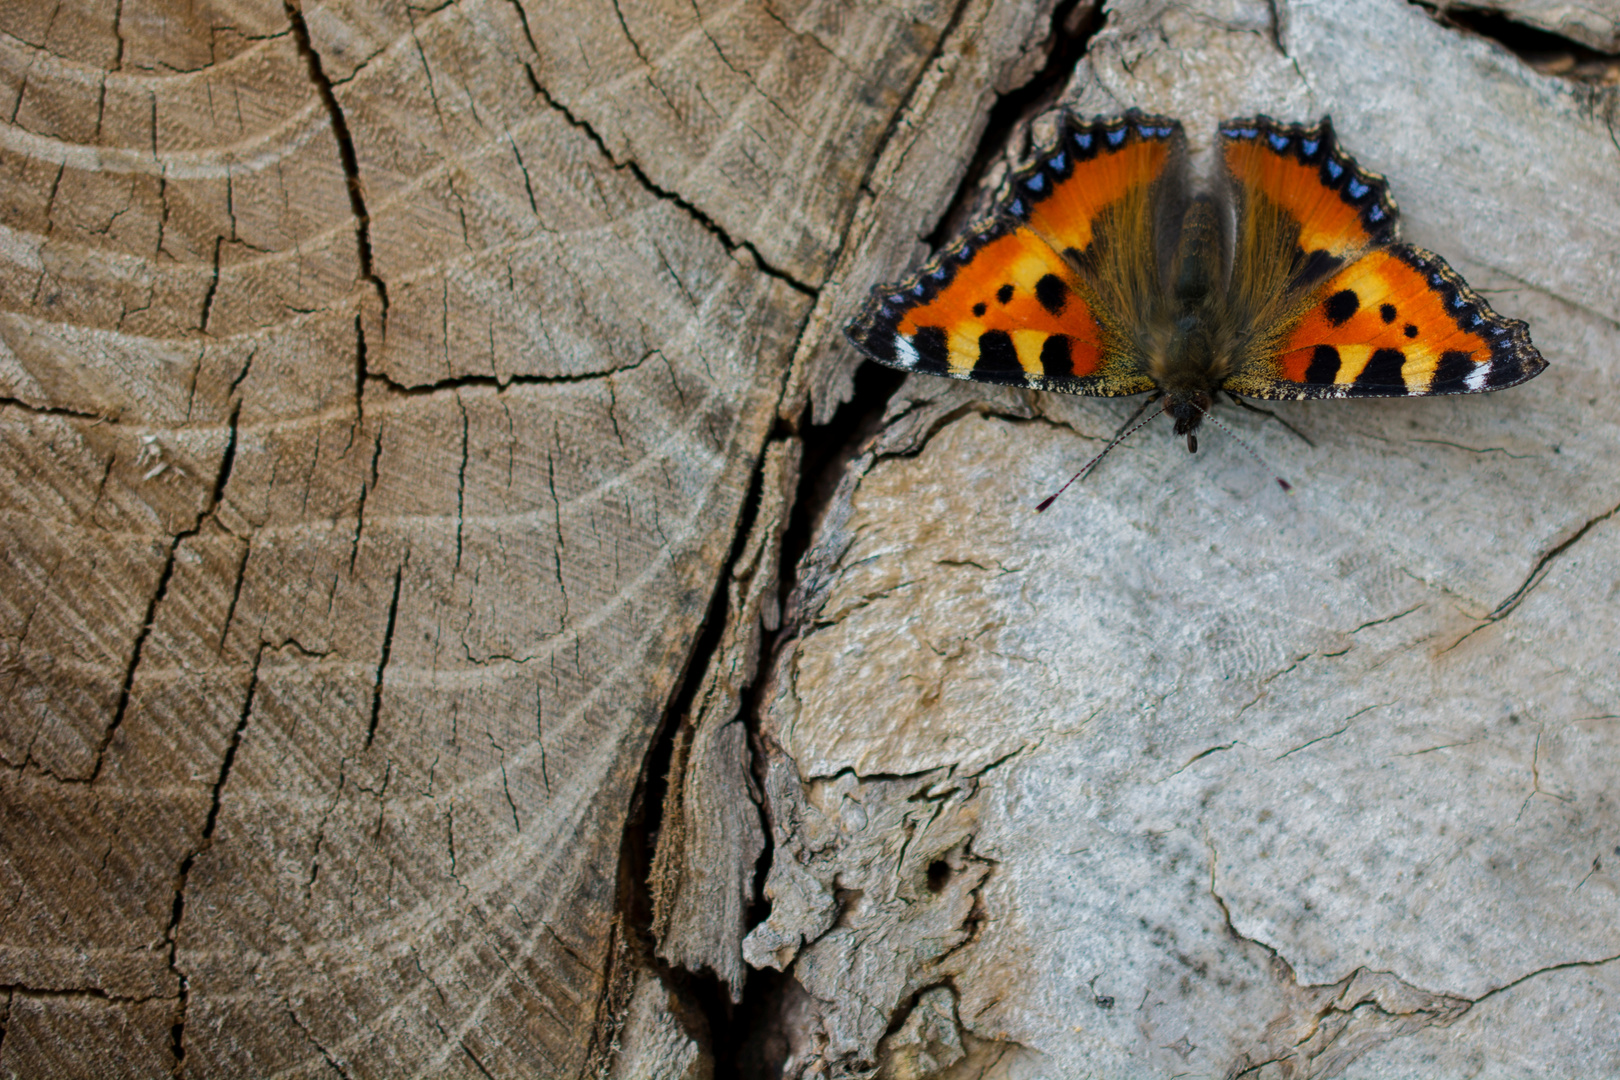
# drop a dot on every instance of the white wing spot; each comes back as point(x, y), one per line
point(905, 351)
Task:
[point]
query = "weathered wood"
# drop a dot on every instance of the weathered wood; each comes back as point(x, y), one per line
point(382, 388)
point(1188, 776)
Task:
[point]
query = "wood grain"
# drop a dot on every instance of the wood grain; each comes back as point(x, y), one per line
point(382, 388)
point(404, 409)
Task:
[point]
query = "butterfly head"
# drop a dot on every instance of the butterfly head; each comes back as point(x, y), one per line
point(1187, 408)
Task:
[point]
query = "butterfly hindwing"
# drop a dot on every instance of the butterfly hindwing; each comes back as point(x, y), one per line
point(1067, 195)
point(1338, 208)
point(1013, 302)
point(1397, 322)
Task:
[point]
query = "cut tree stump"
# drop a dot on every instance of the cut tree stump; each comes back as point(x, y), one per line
point(449, 625)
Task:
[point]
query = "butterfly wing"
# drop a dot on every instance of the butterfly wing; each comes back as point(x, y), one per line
point(1397, 322)
point(1332, 306)
point(1045, 293)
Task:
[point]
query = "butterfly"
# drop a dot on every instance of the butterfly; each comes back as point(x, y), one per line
point(1103, 271)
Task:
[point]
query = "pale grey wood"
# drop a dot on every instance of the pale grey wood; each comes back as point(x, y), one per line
point(652, 1044)
point(1189, 776)
point(710, 834)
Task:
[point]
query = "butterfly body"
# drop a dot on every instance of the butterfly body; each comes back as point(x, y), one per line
point(1103, 272)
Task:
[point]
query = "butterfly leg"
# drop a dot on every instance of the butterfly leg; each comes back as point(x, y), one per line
point(1151, 399)
point(1274, 416)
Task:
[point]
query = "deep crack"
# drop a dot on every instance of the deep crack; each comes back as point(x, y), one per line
point(346, 151)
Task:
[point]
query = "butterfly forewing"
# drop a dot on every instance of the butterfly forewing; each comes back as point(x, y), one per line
point(1021, 300)
point(1397, 322)
point(1003, 307)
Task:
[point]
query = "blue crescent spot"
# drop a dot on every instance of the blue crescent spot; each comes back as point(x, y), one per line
point(1247, 133)
point(1458, 301)
point(1153, 132)
point(1278, 142)
point(1335, 170)
point(1436, 280)
point(1060, 163)
point(1357, 189)
point(1082, 140)
point(938, 273)
point(897, 298)
point(1035, 183)
point(1116, 137)
point(1309, 146)
point(965, 252)
point(1376, 213)
point(919, 289)
point(1016, 208)
point(1475, 320)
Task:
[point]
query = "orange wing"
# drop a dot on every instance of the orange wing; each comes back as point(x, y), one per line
point(1337, 208)
point(1396, 322)
point(999, 307)
point(1333, 306)
point(1093, 168)
point(1010, 302)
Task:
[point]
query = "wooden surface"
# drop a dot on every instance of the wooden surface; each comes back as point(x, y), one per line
point(377, 429)
point(405, 413)
point(1192, 777)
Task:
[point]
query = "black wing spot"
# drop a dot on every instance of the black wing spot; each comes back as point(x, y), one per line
point(1410, 330)
point(1455, 366)
point(997, 357)
point(1387, 313)
point(1316, 265)
point(1052, 293)
point(979, 309)
point(1341, 305)
point(933, 353)
point(1004, 293)
point(1324, 366)
point(1382, 372)
point(1056, 359)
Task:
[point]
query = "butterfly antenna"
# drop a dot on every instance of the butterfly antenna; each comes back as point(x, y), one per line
point(1212, 418)
point(1092, 464)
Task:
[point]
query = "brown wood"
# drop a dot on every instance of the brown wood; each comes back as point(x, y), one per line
point(405, 413)
point(382, 388)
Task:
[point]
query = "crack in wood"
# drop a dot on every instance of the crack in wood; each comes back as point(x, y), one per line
point(346, 150)
point(675, 198)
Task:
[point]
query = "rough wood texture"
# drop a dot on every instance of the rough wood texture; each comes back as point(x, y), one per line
point(401, 410)
point(1188, 776)
point(381, 394)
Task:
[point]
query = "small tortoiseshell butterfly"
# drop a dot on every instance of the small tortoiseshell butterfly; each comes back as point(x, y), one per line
point(1102, 273)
